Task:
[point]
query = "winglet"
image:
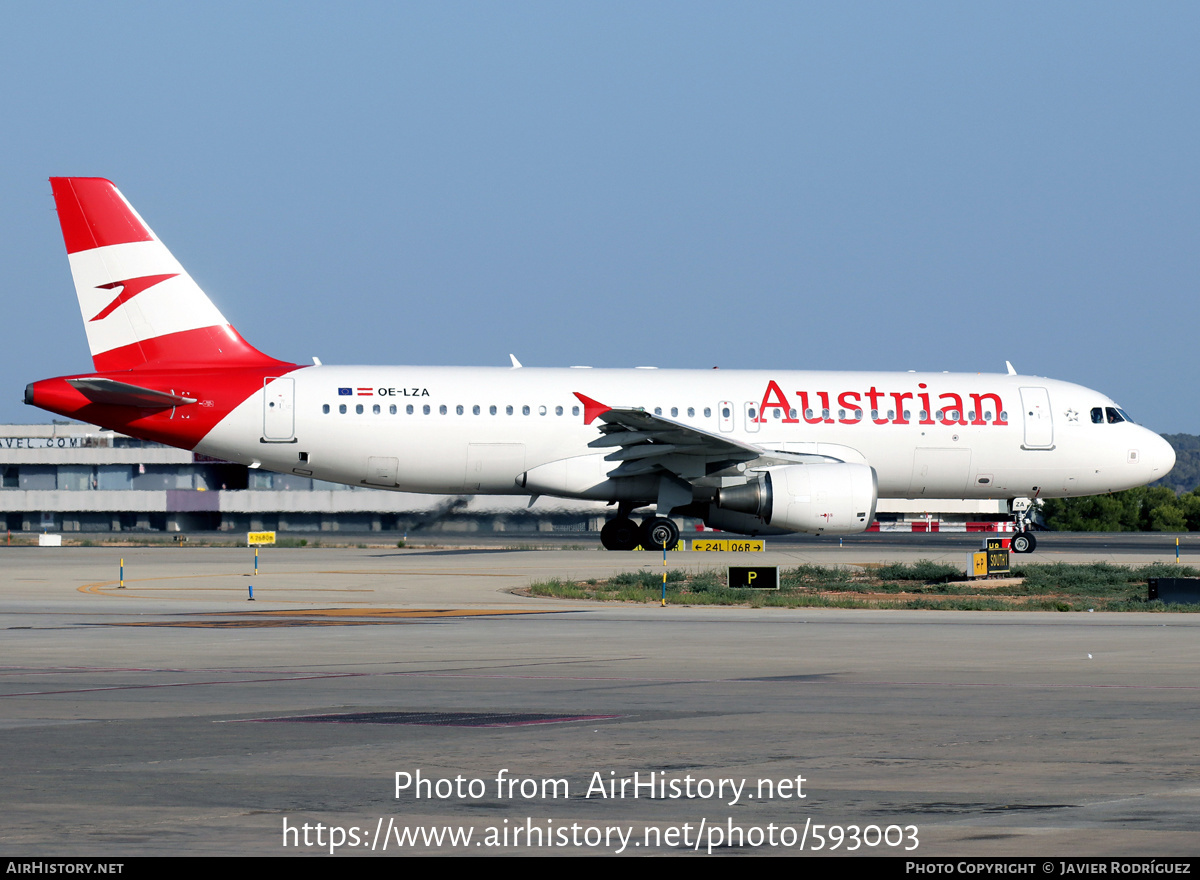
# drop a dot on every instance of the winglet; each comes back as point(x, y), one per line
point(591, 408)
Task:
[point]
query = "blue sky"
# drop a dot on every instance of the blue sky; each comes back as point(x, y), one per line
point(927, 186)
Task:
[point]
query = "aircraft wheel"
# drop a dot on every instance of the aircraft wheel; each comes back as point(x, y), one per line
point(620, 534)
point(658, 533)
point(1023, 542)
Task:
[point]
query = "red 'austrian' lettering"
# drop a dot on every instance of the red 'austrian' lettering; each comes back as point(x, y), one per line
point(986, 408)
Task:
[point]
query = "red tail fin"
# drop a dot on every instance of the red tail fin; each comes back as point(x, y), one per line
point(140, 307)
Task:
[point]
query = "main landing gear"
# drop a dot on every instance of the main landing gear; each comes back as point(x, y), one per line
point(621, 533)
point(660, 533)
point(655, 533)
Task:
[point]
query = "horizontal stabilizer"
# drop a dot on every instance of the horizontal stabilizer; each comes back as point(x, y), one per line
point(114, 393)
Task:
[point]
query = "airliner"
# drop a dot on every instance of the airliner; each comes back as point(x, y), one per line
point(746, 451)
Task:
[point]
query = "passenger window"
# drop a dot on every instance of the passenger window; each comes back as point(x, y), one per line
point(508, 409)
point(725, 412)
point(342, 409)
point(442, 409)
point(541, 410)
point(425, 409)
point(475, 410)
point(658, 410)
point(392, 409)
point(775, 414)
point(408, 409)
point(325, 408)
point(691, 412)
point(753, 413)
point(376, 410)
point(492, 409)
point(674, 412)
point(574, 410)
point(558, 410)
point(525, 410)
point(458, 410)
point(359, 409)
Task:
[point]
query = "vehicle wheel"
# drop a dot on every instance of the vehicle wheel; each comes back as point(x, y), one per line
point(1023, 542)
point(620, 534)
point(658, 533)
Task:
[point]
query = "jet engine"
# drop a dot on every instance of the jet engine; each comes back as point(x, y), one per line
point(834, 498)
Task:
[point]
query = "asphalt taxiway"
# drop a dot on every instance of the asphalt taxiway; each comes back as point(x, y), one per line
point(174, 717)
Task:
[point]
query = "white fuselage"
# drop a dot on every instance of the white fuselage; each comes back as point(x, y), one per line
point(476, 430)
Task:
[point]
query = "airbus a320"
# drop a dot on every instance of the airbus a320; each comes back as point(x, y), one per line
point(751, 452)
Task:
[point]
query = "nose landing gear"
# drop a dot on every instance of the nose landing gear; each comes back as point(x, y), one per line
point(1023, 540)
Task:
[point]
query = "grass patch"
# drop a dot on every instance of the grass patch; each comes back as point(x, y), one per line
point(922, 570)
point(922, 585)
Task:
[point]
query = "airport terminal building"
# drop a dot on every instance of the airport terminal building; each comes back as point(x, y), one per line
point(70, 477)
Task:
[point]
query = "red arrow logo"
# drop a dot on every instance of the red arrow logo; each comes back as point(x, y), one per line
point(130, 288)
point(591, 408)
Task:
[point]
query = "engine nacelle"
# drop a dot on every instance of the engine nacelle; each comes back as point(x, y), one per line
point(738, 523)
point(835, 498)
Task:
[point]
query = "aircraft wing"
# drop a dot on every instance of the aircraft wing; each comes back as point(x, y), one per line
point(641, 441)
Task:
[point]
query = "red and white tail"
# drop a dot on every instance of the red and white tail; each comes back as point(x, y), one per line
point(140, 307)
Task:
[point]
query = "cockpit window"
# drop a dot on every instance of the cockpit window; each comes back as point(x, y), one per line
point(1097, 415)
point(1115, 415)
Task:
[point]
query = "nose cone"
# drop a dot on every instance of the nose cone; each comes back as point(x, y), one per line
point(1158, 456)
